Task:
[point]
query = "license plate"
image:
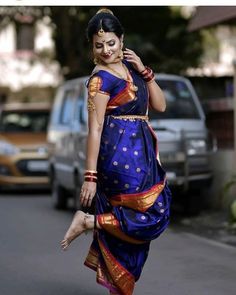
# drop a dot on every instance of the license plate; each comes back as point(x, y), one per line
point(170, 175)
point(37, 165)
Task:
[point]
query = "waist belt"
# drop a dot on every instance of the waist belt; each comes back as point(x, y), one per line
point(131, 117)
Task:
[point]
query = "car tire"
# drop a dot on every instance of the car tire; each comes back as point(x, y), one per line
point(59, 195)
point(192, 202)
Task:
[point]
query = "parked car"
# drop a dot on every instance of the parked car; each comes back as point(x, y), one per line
point(23, 145)
point(183, 139)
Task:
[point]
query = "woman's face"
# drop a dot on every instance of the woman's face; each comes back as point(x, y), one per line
point(107, 48)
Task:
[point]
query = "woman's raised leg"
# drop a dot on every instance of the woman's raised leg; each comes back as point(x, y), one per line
point(80, 223)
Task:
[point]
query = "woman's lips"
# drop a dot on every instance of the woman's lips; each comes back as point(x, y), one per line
point(107, 56)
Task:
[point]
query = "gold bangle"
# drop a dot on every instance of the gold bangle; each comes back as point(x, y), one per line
point(153, 79)
point(93, 171)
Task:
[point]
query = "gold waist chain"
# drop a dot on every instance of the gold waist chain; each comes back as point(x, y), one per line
point(131, 117)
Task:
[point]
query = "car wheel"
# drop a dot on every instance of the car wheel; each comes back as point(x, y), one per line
point(59, 195)
point(193, 203)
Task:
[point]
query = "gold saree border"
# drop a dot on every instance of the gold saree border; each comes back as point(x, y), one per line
point(122, 279)
point(92, 259)
point(123, 97)
point(110, 224)
point(139, 201)
point(103, 277)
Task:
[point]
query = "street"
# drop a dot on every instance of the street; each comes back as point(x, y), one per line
point(32, 262)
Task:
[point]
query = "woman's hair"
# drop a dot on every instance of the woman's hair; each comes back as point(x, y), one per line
point(104, 19)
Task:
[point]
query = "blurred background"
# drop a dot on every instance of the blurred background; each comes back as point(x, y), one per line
point(43, 46)
point(45, 60)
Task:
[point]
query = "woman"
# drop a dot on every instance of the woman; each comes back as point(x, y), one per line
point(123, 167)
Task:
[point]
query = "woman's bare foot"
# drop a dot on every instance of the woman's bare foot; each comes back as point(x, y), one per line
point(80, 223)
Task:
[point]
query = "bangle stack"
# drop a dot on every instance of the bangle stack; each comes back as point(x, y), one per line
point(91, 175)
point(147, 75)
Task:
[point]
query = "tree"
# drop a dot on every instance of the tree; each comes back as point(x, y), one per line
point(158, 34)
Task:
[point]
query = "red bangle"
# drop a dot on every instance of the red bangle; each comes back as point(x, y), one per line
point(92, 171)
point(149, 78)
point(90, 174)
point(147, 74)
point(144, 71)
point(90, 179)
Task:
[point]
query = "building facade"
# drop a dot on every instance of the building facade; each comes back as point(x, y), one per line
point(28, 69)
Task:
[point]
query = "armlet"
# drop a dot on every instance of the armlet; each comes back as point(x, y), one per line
point(94, 87)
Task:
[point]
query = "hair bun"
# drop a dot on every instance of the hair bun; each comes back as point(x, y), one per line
point(105, 10)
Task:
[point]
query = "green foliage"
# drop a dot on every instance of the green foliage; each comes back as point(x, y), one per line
point(164, 42)
point(232, 207)
point(156, 33)
point(233, 211)
point(228, 185)
point(211, 45)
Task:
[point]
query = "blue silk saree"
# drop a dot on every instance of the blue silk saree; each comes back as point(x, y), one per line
point(132, 198)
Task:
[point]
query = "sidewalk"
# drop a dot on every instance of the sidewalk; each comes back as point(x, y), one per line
point(211, 224)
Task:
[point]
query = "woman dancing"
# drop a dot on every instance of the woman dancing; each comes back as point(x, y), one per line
point(123, 170)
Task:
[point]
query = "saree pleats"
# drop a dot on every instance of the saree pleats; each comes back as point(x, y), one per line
point(132, 198)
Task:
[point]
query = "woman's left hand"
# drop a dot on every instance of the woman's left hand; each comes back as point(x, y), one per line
point(87, 193)
point(135, 60)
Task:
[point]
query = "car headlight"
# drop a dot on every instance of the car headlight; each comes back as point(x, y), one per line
point(196, 146)
point(7, 148)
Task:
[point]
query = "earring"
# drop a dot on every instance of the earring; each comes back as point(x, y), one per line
point(96, 60)
point(121, 55)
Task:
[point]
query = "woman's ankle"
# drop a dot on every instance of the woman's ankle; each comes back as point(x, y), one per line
point(89, 221)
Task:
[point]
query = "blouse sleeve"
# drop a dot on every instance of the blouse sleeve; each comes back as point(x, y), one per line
point(99, 83)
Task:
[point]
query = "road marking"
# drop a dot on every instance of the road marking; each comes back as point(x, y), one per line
point(210, 241)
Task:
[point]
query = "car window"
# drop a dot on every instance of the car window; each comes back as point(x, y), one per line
point(27, 121)
point(67, 110)
point(179, 101)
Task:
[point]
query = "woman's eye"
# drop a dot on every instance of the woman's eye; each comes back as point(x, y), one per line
point(99, 46)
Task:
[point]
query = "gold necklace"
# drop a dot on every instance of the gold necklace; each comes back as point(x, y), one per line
point(127, 79)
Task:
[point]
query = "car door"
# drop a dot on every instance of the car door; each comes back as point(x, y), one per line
point(81, 129)
point(65, 160)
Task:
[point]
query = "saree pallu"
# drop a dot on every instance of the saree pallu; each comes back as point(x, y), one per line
point(132, 198)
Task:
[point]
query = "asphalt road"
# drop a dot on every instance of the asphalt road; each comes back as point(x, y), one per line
point(32, 263)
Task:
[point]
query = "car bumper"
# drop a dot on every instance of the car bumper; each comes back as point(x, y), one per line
point(26, 169)
point(11, 180)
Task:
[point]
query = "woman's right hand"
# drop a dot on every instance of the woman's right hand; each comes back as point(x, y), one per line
point(87, 193)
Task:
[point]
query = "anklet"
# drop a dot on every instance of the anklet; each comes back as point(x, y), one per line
point(85, 217)
point(95, 221)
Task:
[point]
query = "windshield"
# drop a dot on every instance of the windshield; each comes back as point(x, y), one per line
point(34, 121)
point(179, 101)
